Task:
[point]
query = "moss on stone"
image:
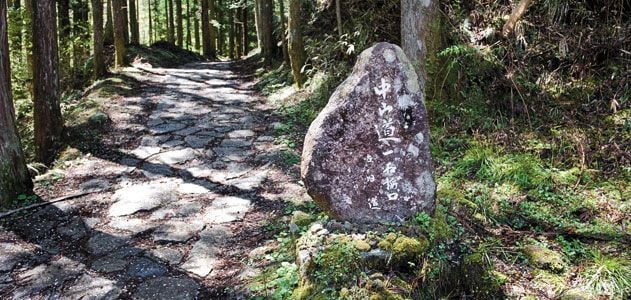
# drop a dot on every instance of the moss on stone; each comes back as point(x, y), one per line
point(440, 230)
point(302, 292)
point(301, 218)
point(409, 248)
point(544, 258)
point(338, 264)
point(362, 245)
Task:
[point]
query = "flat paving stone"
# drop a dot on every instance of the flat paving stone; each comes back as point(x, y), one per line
point(169, 255)
point(136, 198)
point(180, 209)
point(167, 288)
point(177, 230)
point(198, 141)
point(156, 171)
point(133, 225)
point(203, 256)
point(188, 131)
point(176, 156)
point(108, 265)
point(102, 243)
point(227, 209)
point(166, 128)
point(74, 230)
point(143, 152)
point(194, 188)
point(95, 185)
point(242, 133)
point(92, 287)
point(144, 267)
point(239, 143)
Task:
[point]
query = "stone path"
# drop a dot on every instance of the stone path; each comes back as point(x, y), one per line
point(189, 174)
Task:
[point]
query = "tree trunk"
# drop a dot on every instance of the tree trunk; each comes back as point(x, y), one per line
point(244, 34)
point(97, 29)
point(63, 6)
point(133, 22)
point(515, 15)
point(238, 32)
point(80, 45)
point(188, 25)
point(231, 35)
point(48, 123)
point(420, 25)
point(338, 15)
point(108, 34)
point(150, 22)
point(222, 29)
point(196, 31)
point(283, 31)
point(16, 41)
point(206, 34)
point(119, 33)
point(14, 176)
point(125, 12)
point(211, 28)
point(265, 29)
point(179, 22)
point(171, 22)
point(296, 48)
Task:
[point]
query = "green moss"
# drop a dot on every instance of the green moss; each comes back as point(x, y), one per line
point(361, 245)
point(338, 264)
point(302, 292)
point(544, 258)
point(440, 230)
point(409, 248)
point(301, 218)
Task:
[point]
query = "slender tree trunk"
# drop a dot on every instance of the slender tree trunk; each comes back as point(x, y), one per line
point(196, 30)
point(221, 35)
point(150, 22)
point(188, 25)
point(211, 28)
point(265, 30)
point(133, 22)
point(245, 33)
point(231, 35)
point(119, 32)
point(125, 13)
point(516, 14)
point(257, 22)
point(283, 29)
point(206, 35)
point(238, 31)
point(108, 34)
point(63, 7)
point(179, 22)
point(296, 48)
point(338, 15)
point(419, 33)
point(14, 176)
point(97, 29)
point(171, 23)
point(80, 45)
point(48, 123)
point(16, 41)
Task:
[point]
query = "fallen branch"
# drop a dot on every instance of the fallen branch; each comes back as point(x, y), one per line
point(517, 13)
point(56, 200)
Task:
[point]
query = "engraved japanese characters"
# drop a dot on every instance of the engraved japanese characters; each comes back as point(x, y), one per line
point(366, 157)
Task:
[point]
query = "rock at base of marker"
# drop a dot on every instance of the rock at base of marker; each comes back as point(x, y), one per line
point(366, 157)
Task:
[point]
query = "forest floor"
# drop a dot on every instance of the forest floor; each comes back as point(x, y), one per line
point(176, 190)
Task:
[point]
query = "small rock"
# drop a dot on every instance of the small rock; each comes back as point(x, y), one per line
point(144, 267)
point(167, 288)
point(103, 243)
point(132, 199)
point(108, 265)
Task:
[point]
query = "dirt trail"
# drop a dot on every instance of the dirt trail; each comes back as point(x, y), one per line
point(186, 175)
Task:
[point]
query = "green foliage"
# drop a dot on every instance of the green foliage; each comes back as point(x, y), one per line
point(609, 276)
point(337, 266)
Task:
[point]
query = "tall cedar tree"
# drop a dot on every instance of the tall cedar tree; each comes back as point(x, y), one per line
point(244, 33)
point(125, 18)
point(48, 124)
point(97, 40)
point(283, 30)
point(172, 22)
point(198, 44)
point(119, 33)
point(296, 48)
point(265, 29)
point(206, 36)
point(211, 28)
point(133, 23)
point(14, 177)
point(108, 33)
point(150, 22)
point(231, 34)
point(188, 25)
point(179, 22)
point(419, 33)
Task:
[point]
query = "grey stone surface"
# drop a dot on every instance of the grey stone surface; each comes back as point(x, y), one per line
point(74, 230)
point(96, 184)
point(366, 157)
point(202, 257)
point(132, 199)
point(166, 128)
point(240, 143)
point(169, 255)
point(108, 265)
point(167, 288)
point(91, 287)
point(194, 188)
point(198, 141)
point(156, 171)
point(10, 256)
point(102, 243)
point(144, 267)
point(143, 152)
point(227, 209)
point(242, 133)
point(177, 230)
point(176, 156)
point(133, 225)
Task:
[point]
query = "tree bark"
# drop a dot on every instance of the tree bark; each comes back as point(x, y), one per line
point(14, 176)
point(97, 29)
point(338, 15)
point(119, 33)
point(420, 26)
point(283, 29)
point(212, 31)
point(206, 35)
point(150, 22)
point(63, 7)
point(133, 23)
point(238, 31)
point(171, 22)
point(245, 33)
point(48, 123)
point(179, 23)
point(196, 30)
point(515, 15)
point(125, 13)
point(108, 34)
point(81, 37)
point(265, 29)
point(188, 25)
point(296, 48)
point(221, 34)
point(231, 35)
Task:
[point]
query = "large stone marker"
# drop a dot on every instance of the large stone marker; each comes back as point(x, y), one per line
point(366, 157)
